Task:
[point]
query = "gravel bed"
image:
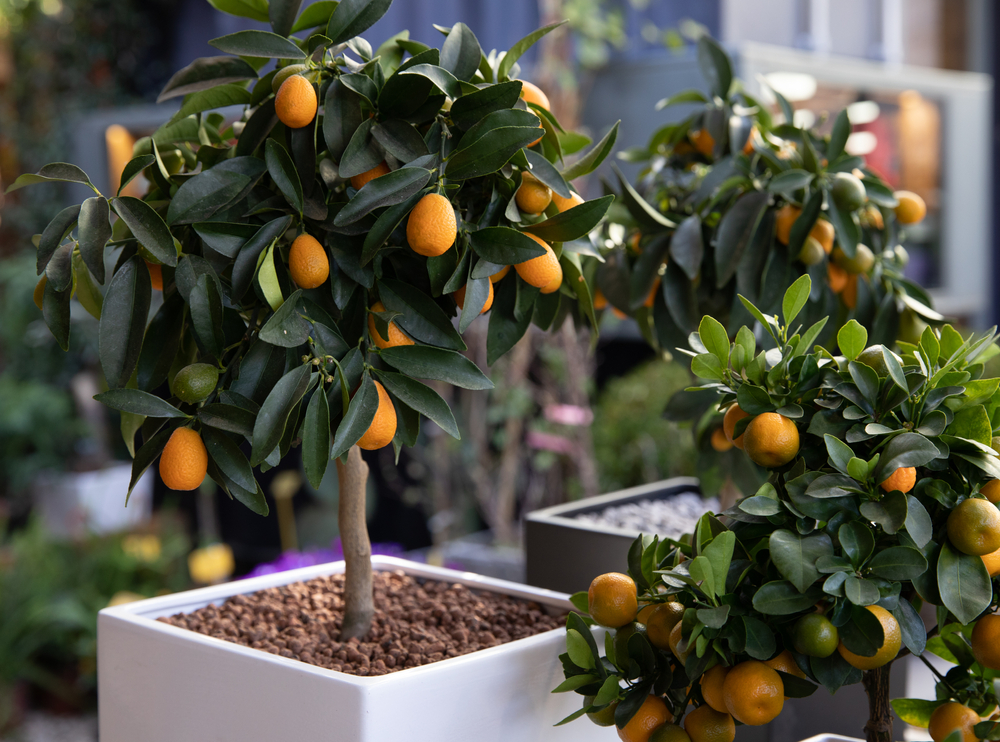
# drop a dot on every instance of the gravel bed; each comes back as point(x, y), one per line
point(671, 517)
point(416, 622)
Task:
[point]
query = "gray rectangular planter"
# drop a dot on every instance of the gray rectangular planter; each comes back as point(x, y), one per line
point(565, 554)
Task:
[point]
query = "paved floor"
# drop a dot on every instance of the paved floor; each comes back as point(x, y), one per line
point(39, 727)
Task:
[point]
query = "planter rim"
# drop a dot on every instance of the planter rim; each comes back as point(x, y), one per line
point(831, 738)
point(562, 514)
point(143, 613)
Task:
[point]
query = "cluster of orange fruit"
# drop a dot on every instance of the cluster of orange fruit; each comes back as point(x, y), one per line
point(751, 691)
point(843, 271)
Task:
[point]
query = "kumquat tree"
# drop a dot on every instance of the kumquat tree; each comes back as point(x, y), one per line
point(290, 277)
point(880, 500)
point(734, 201)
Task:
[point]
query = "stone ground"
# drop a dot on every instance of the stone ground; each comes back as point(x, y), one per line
point(41, 727)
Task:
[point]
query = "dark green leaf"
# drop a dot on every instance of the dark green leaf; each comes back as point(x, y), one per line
point(838, 137)
point(911, 626)
point(898, 563)
point(857, 541)
point(282, 171)
point(148, 227)
point(638, 207)
point(391, 188)
point(342, 117)
point(504, 246)
point(54, 233)
point(594, 157)
point(400, 139)
point(205, 303)
point(795, 556)
point(760, 643)
point(226, 238)
point(446, 82)
point(138, 403)
point(490, 152)
point(353, 17)
point(735, 231)
point(53, 172)
point(316, 438)
point(789, 181)
point(782, 598)
point(686, 247)
point(260, 370)
point(715, 66)
point(246, 262)
point(506, 327)
point(423, 362)
point(358, 418)
point(227, 417)
point(515, 52)
point(273, 417)
point(421, 318)
point(421, 398)
point(282, 14)
point(908, 449)
point(220, 96)
point(202, 196)
point(286, 328)
point(472, 108)
point(964, 583)
point(228, 457)
point(204, 73)
point(546, 172)
point(94, 232)
point(572, 223)
point(255, 43)
point(461, 53)
point(863, 634)
point(123, 321)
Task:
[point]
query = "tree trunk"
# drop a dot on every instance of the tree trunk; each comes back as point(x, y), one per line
point(359, 605)
point(879, 726)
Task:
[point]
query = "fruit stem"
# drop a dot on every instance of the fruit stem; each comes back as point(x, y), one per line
point(359, 605)
point(876, 683)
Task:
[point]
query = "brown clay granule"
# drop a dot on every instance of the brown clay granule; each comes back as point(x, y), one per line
point(416, 622)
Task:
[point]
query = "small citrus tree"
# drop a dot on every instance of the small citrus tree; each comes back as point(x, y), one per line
point(880, 499)
point(734, 201)
point(313, 254)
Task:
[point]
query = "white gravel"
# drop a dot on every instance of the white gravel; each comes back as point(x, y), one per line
point(671, 517)
point(42, 727)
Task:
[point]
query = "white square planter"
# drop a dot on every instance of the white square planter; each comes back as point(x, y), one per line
point(160, 683)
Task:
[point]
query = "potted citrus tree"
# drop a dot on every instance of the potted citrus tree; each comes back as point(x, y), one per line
point(736, 201)
point(879, 500)
point(290, 278)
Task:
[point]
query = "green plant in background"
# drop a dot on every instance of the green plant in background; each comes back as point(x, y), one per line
point(39, 426)
point(51, 593)
point(313, 254)
point(880, 498)
point(732, 201)
point(633, 442)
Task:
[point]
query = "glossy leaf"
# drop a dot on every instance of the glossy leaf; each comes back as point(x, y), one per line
point(735, 231)
point(358, 417)
point(422, 318)
point(205, 303)
point(423, 362)
point(123, 321)
point(282, 171)
point(572, 223)
point(53, 172)
point(353, 17)
point(94, 231)
point(596, 155)
point(204, 73)
point(421, 398)
point(964, 583)
point(138, 403)
point(228, 457)
point(148, 227)
point(515, 52)
point(273, 417)
point(316, 438)
point(387, 190)
point(254, 43)
point(472, 108)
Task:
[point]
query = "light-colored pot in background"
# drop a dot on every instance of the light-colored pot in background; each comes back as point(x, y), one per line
point(74, 504)
point(159, 683)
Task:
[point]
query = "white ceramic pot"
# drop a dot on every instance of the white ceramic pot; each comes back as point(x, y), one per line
point(159, 683)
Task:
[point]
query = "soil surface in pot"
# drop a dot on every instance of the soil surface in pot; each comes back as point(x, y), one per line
point(416, 622)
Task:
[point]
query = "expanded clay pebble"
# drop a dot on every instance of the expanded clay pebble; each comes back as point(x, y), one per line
point(416, 622)
point(671, 517)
